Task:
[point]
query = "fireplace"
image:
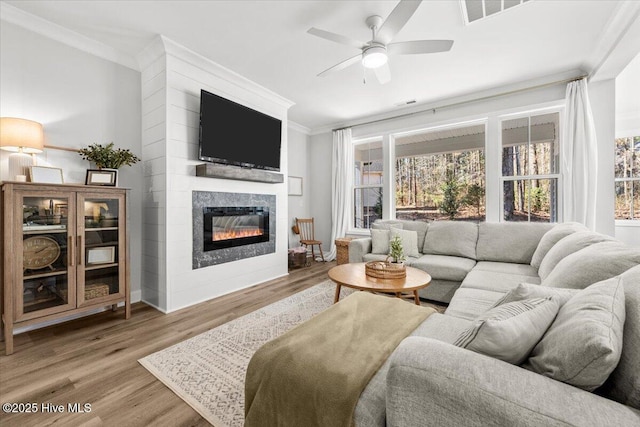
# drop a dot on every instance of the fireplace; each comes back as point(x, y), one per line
point(226, 227)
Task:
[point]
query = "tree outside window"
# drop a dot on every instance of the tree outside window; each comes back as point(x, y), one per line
point(440, 174)
point(627, 178)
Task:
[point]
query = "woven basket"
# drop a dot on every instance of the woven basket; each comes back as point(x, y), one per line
point(90, 291)
point(385, 270)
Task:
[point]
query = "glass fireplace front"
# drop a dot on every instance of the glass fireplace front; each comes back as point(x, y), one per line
point(225, 227)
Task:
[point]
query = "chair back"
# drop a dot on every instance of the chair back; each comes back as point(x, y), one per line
point(305, 228)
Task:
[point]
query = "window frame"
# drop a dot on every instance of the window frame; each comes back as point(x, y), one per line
point(624, 222)
point(352, 229)
point(529, 177)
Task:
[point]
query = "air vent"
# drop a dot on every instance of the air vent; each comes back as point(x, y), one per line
point(403, 103)
point(474, 10)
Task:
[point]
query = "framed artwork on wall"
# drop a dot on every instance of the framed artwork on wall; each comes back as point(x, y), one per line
point(295, 185)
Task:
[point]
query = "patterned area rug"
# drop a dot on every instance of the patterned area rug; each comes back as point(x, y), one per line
point(207, 371)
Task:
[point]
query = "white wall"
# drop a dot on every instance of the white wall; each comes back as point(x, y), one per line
point(80, 99)
point(601, 94)
point(298, 162)
point(175, 76)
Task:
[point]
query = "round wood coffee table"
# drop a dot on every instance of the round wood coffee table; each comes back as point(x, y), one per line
point(353, 276)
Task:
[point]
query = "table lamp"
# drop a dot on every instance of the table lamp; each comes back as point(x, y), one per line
point(24, 138)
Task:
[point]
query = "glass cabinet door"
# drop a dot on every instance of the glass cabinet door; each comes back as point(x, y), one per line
point(101, 243)
point(45, 254)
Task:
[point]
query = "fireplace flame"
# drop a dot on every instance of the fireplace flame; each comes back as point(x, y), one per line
point(236, 234)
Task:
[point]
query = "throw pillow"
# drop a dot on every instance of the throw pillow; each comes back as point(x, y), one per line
point(380, 242)
point(509, 332)
point(528, 290)
point(583, 345)
point(592, 264)
point(552, 237)
point(409, 241)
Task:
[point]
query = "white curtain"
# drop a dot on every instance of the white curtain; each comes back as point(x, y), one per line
point(580, 150)
point(341, 167)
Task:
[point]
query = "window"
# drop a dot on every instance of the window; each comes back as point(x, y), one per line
point(530, 168)
point(627, 178)
point(367, 182)
point(440, 174)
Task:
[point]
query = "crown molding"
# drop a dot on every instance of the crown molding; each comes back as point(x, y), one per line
point(298, 127)
point(19, 17)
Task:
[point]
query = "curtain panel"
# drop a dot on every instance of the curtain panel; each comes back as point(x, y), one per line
point(341, 167)
point(579, 154)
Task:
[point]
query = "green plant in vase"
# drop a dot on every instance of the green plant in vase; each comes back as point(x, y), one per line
point(107, 156)
point(395, 250)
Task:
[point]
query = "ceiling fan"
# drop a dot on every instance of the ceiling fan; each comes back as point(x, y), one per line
point(374, 53)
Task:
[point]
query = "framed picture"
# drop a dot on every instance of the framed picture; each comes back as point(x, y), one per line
point(101, 177)
point(45, 175)
point(104, 255)
point(295, 185)
point(61, 209)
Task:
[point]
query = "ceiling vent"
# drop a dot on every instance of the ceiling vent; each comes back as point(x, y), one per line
point(474, 10)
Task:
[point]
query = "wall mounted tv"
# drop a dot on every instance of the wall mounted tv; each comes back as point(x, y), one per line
point(233, 134)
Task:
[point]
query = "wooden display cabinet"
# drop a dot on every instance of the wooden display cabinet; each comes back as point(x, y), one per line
point(64, 251)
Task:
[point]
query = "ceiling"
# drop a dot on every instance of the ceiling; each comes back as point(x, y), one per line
point(266, 41)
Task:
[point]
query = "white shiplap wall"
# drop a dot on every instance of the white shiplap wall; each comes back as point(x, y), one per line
point(175, 77)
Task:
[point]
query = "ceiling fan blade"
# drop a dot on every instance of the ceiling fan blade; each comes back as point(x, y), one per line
point(341, 66)
point(327, 35)
point(383, 74)
point(419, 46)
point(396, 20)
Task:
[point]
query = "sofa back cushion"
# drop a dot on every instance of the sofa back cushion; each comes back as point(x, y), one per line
point(592, 264)
point(552, 237)
point(509, 241)
point(454, 238)
point(566, 246)
point(624, 383)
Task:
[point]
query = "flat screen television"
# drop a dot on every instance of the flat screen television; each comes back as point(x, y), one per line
point(234, 134)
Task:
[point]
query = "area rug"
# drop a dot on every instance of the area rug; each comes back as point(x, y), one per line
point(208, 370)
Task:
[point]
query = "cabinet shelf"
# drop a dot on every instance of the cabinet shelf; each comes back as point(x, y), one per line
point(51, 273)
point(100, 229)
point(91, 267)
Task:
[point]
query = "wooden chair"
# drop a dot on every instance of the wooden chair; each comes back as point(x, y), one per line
point(307, 235)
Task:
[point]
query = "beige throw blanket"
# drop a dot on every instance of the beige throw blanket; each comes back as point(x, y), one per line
point(314, 374)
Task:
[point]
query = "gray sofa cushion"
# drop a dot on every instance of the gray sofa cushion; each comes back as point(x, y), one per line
point(566, 246)
point(379, 241)
point(444, 267)
point(420, 227)
point(624, 383)
point(469, 303)
point(493, 281)
point(510, 331)
point(583, 345)
point(452, 238)
point(507, 267)
point(552, 237)
point(386, 225)
point(509, 241)
point(593, 264)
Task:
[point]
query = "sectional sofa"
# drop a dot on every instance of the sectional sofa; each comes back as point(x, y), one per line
point(472, 365)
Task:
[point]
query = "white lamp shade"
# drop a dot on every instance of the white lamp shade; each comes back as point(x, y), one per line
point(21, 135)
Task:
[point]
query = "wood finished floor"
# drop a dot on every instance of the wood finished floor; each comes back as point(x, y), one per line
point(94, 359)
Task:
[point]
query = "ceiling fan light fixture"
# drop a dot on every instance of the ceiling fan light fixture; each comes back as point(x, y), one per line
point(374, 57)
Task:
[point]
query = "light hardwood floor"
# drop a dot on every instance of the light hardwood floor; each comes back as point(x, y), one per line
point(94, 360)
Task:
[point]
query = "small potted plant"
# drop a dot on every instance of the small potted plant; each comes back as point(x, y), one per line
point(396, 253)
point(106, 157)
